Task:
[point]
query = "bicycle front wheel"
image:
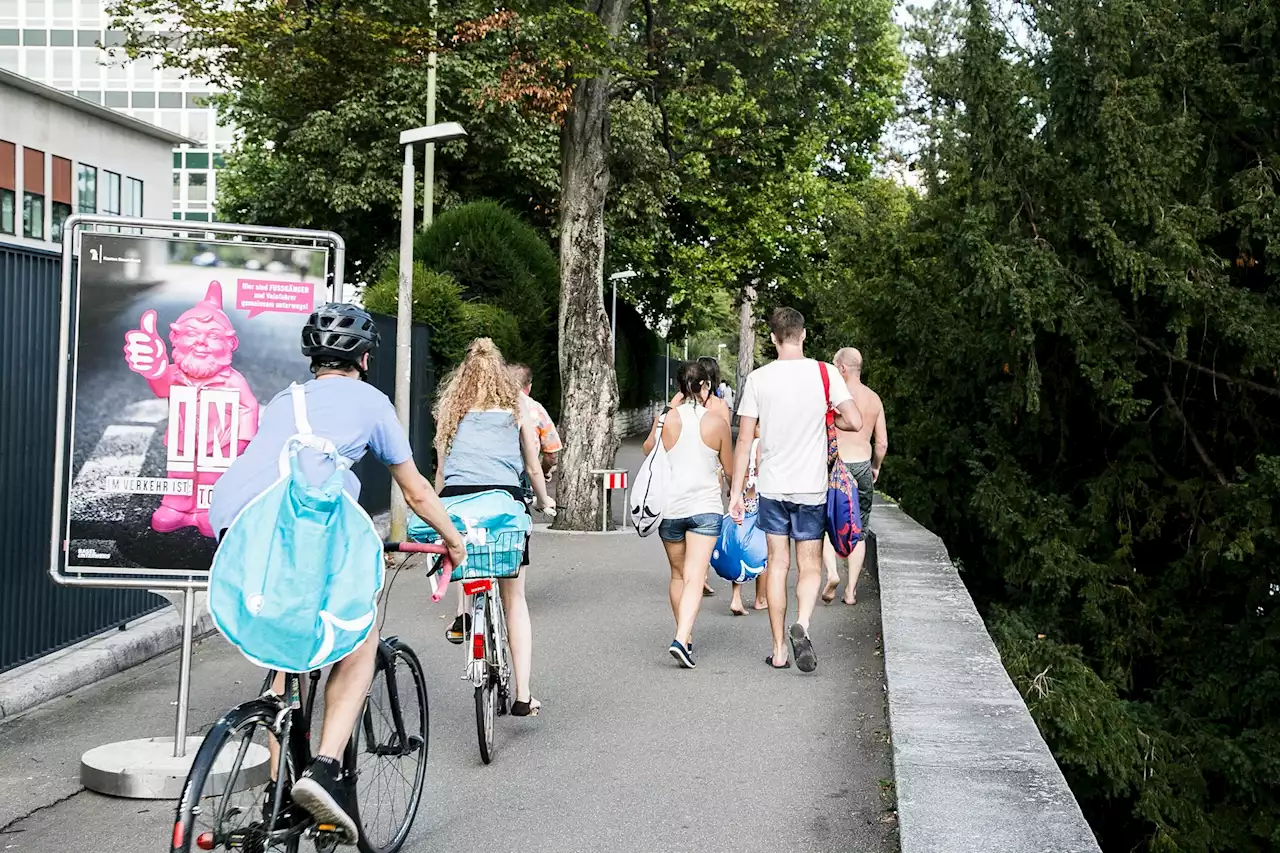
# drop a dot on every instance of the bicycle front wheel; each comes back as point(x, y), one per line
point(221, 807)
point(390, 746)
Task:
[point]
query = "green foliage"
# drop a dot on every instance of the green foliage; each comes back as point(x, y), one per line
point(510, 282)
point(1076, 333)
point(761, 110)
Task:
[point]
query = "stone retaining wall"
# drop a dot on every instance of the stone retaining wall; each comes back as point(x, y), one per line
point(972, 772)
point(629, 422)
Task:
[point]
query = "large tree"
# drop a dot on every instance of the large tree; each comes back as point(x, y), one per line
point(1077, 336)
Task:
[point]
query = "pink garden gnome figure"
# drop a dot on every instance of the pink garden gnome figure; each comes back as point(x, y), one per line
point(212, 411)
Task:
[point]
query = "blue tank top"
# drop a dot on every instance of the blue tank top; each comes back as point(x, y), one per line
point(485, 451)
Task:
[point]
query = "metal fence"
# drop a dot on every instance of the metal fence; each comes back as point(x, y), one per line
point(36, 616)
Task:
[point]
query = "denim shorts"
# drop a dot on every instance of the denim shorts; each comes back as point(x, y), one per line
point(705, 523)
point(799, 522)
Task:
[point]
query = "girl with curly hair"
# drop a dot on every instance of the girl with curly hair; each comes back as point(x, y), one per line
point(485, 440)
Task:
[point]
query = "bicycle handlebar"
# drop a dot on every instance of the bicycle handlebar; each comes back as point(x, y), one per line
point(443, 566)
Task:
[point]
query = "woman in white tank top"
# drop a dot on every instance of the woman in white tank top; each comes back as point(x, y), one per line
point(697, 442)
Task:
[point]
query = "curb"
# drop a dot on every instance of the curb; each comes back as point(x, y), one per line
point(617, 531)
point(89, 661)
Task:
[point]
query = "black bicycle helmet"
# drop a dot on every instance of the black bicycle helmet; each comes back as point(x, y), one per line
point(340, 331)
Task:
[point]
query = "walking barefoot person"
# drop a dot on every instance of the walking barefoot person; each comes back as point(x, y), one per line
point(696, 439)
point(863, 451)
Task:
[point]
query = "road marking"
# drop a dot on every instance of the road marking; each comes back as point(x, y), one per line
point(121, 452)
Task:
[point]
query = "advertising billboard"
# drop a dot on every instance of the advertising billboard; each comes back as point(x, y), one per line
point(175, 345)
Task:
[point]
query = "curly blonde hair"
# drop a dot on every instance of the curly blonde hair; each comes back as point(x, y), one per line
point(482, 381)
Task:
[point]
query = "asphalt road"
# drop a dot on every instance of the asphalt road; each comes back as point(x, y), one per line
point(630, 753)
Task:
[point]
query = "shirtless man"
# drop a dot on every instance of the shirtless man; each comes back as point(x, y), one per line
point(863, 462)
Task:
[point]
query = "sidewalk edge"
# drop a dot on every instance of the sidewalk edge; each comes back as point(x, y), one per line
point(113, 651)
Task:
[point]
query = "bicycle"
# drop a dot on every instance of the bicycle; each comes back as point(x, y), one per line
point(224, 803)
point(488, 660)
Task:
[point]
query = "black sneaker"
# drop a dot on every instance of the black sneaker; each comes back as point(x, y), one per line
point(319, 791)
point(459, 629)
point(682, 654)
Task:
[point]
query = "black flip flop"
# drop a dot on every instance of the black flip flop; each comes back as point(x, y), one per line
point(769, 660)
point(802, 648)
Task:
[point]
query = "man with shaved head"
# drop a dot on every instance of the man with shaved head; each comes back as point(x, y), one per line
point(863, 451)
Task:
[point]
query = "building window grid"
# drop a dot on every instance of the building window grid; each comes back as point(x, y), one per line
point(91, 68)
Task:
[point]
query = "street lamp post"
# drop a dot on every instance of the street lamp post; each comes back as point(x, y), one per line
point(613, 320)
point(431, 133)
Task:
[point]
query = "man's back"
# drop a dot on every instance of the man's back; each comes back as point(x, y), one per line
point(353, 414)
point(855, 446)
point(787, 399)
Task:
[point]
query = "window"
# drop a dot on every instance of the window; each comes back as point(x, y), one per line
point(177, 186)
point(63, 65)
point(8, 37)
point(33, 216)
point(87, 188)
point(198, 186)
point(117, 99)
point(198, 126)
point(62, 38)
point(111, 191)
point(133, 197)
point(197, 160)
point(8, 208)
point(33, 185)
point(36, 38)
point(37, 62)
point(60, 213)
point(8, 186)
point(60, 198)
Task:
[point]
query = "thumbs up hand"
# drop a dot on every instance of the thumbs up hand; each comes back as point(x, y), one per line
point(144, 350)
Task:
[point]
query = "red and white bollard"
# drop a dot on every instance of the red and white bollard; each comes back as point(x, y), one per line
point(611, 479)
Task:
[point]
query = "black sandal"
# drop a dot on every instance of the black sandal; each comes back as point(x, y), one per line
point(526, 709)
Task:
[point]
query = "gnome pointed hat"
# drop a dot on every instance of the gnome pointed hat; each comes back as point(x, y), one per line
point(208, 310)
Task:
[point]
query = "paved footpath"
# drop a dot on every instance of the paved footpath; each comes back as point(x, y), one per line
point(630, 752)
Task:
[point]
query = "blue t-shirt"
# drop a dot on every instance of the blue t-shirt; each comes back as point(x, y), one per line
point(352, 414)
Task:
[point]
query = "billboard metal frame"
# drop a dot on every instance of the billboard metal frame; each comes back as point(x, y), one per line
point(157, 580)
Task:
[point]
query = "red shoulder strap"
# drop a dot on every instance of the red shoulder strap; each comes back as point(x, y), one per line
point(826, 382)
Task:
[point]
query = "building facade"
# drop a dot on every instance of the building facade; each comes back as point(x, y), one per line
point(61, 155)
point(68, 45)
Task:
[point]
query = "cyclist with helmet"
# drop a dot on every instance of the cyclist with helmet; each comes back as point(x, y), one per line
point(357, 417)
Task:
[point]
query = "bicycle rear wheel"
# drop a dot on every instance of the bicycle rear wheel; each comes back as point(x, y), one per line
point(487, 691)
point(221, 807)
point(390, 749)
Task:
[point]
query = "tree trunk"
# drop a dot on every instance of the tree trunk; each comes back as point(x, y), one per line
point(746, 339)
point(590, 385)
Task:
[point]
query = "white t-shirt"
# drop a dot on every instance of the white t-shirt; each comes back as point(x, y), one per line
point(786, 397)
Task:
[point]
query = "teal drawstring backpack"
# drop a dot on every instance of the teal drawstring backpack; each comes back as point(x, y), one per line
point(295, 580)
